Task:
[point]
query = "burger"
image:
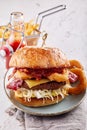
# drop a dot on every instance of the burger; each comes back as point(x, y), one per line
point(43, 76)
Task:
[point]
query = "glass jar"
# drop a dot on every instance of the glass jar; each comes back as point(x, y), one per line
point(16, 30)
point(15, 37)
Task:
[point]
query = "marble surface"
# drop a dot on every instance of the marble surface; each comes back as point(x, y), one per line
point(66, 30)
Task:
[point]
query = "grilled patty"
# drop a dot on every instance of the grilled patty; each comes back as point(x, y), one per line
point(49, 85)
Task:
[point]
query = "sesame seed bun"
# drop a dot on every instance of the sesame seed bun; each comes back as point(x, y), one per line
point(38, 58)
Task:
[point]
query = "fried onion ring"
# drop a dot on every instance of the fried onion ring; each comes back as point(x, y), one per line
point(58, 77)
point(81, 86)
point(21, 75)
point(75, 63)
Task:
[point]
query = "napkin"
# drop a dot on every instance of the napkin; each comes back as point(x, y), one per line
point(74, 120)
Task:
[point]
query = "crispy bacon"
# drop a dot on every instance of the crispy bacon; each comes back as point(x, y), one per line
point(37, 73)
point(72, 77)
point(41, 72)
point(15, 84)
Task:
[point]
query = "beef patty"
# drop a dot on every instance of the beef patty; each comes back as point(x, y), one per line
point(49, 85)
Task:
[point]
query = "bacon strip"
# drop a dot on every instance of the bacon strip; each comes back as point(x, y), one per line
point(38, 73)
point(72, 77)
point(15, 84)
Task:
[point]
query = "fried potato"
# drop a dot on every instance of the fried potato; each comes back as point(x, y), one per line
point(30, 27)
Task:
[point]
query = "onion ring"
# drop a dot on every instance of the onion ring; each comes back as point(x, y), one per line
point(58, 77)
point(22, 75)
point(81, 86)
point(75, 63)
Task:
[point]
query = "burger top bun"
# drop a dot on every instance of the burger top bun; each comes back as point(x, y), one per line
point(35, 57)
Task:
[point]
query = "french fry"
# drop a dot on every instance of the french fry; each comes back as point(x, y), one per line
point(30, 27)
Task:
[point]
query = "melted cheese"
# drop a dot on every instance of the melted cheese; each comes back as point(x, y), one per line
point(32, 83)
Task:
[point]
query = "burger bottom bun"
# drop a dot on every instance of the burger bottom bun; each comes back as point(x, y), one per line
point(34, 102)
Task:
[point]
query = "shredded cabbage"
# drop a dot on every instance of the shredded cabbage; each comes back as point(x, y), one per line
point(28, 94)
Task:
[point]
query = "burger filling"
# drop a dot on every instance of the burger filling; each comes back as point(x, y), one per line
point(40, 83)
point(28, 94)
